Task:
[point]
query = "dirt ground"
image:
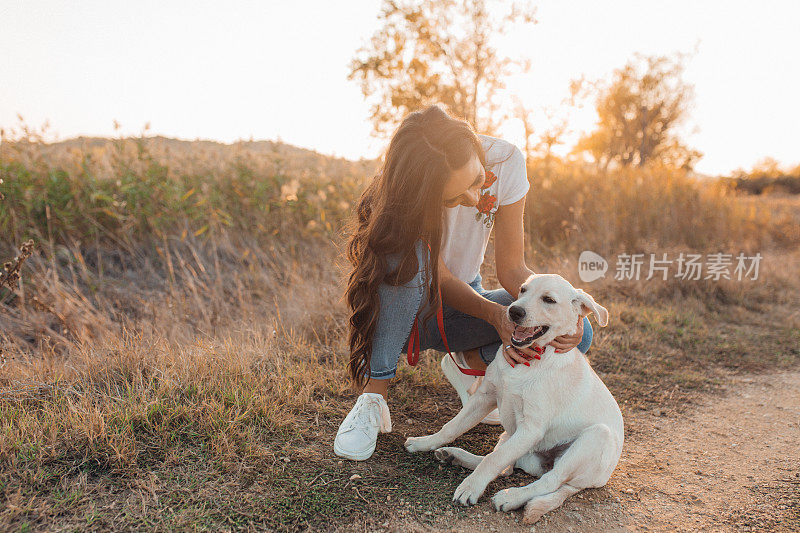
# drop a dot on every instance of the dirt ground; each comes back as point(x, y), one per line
point(732, 463)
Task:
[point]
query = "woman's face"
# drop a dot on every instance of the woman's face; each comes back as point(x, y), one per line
point(463, 187)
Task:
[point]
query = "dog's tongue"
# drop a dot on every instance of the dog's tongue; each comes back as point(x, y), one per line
point(521, 333)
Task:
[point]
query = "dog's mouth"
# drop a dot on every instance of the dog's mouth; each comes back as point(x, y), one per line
point(524, 336)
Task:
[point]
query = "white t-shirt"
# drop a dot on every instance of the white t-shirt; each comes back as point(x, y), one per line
point(467, 229)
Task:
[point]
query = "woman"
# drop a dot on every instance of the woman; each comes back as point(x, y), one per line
point(421, 230)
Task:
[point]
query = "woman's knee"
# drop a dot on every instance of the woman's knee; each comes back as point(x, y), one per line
point(499, 296)
point(586, 340)
point(423, 260)
point(418, 280)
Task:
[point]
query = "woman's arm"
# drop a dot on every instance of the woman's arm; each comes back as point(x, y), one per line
point(461, 296)
point(509, 257)
point(509, 247)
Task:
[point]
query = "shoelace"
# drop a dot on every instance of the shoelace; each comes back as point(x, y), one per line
point(363, 416)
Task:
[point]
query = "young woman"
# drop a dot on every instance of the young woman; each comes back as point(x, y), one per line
point(421, 230)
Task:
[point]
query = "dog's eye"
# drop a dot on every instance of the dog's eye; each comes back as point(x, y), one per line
point(522, 290)
point(548, 300)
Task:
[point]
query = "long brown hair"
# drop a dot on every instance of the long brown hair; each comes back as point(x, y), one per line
point(402, 204)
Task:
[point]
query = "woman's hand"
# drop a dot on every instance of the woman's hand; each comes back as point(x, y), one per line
point(565, 343)
point(505, 328)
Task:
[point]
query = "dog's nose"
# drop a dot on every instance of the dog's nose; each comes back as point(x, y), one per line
point(516, 313)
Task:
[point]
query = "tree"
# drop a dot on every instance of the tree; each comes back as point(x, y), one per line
point(437, 51)
point(551, 137)
point(639, 111)
point(525, 115)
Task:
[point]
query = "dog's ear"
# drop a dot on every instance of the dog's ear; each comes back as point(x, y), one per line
point(586, 304)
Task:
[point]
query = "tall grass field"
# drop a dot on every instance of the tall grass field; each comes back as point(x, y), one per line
point(174, 353)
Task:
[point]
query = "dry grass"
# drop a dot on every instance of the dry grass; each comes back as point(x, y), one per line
point(205, 363)
point(10, 273)
point(154, 378)
point(648, 210)
point(192, 409)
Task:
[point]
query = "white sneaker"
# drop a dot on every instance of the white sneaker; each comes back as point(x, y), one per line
point(358, 433)
point(465, 385)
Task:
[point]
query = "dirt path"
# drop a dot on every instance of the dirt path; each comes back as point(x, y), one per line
point(732, 463)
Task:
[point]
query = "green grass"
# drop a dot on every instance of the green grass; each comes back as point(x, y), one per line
point(124, 192)
point(150, 201)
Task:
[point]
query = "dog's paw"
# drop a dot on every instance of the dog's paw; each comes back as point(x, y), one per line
point(509, 499)
point(445, 455)
point(534, 510)
point(468, 492)
point(420, 444)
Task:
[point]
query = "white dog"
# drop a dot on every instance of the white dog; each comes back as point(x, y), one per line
point(561, 423)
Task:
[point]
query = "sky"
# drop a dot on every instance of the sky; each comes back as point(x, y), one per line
point(277, 69)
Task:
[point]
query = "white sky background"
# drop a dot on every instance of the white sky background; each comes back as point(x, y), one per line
point(278, 69)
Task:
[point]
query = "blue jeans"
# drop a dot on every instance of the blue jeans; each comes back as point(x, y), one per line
point(400, 304)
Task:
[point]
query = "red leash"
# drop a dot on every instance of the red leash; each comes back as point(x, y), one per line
point(413, 343)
